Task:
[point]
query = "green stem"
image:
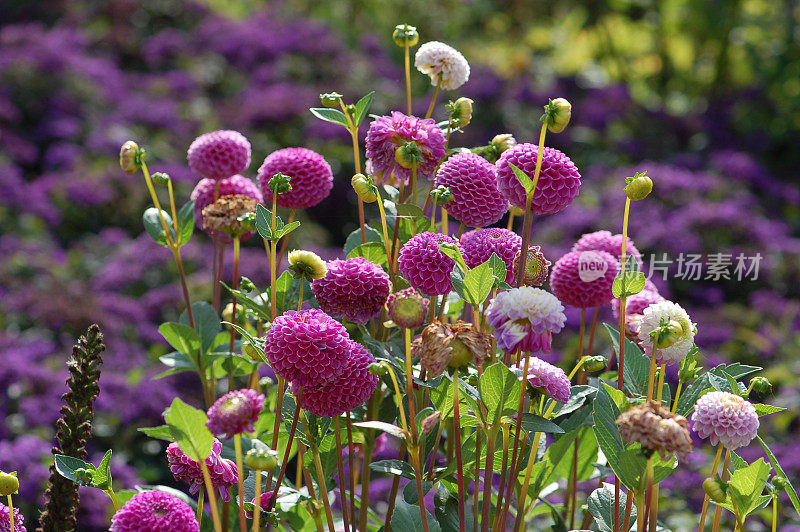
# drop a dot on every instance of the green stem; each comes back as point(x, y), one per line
point(257, 509)
point(408, 77)
point(11, 512)
point(235, 284)
point(337, 431)
point(286, 453)
point(321, 480)
point(433, 101)
point(527, 221)
point(200, 507)
point(212, 497)
point(237, 442)
point(459, 462)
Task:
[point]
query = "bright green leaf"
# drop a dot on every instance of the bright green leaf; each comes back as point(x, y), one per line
point(188, 427)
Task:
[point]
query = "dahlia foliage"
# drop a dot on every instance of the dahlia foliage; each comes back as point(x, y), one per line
point(412, 382)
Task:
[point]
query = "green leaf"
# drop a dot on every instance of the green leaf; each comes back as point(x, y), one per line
point(327, 114)
point(207, 324)
point(160, 433)
point(388, 428)
point(601, 506)
point(181, 337)
point(523, 178)
point(454, 253)
point(605, 430)
point(67, 465)
point(446, 510)
point(536, 423)
point(264, 222)
point(746, 486)
point(397, 468)
point(282, 285)
point(637, 364)
point(185, 223)
point(765, 410)
point(372, 251)
point(499, 391)
point(354, 238)
point(628, 283)
point(790, 491)
point(498, 267)
point(153, 226)
point(478, 283)
point(102, 475)
point(408, 518)
point(188, 427)
point(692, 393)
point(286, 229)
point(246, 301)
point(362, 106)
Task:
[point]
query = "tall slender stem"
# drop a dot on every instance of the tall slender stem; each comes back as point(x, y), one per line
point(285, 461)
point(486, 500)
point(276, 424)
point(237, 443)
point(199, 516)
point(387, 246)
point(285, 242)
point(321, 480)
point(459, 462)
point(369, 446)
point(11, 518)
point(352, 469)
point(407, 50)
point(337, 431)
point(413, 449)
point(257, 500)
point(724, 476)
point(212, 497)
point(235, 284)
point(273, 289)
point(705, 499)
point(353, 128)
point(433, 101)
point(528, 219)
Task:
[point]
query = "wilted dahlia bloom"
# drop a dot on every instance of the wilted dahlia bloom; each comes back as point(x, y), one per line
point(536, 267)
point(584, 278)
point(349, 390)
point(235, 412)
point(219, 154)
point(5, 519)
point(310, 176)
point(605, 241)
point(222, 471)
point(725, 418)
point(673, 329)
point(307, 348)
point(548, 378)
point(525, 319)
point(442, 344)
point(424, 265)
point(223, 215)
point(203, 194)
point(407, 308)
point(354, 289)
point(559, 180)
point(444, 64)
point(154, 511)
point(471, 178)
point(478, 246)
point(656, 429)
point(387, 134)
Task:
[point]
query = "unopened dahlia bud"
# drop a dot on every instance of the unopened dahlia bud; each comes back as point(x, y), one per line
point(639, 186)
point(407, 308)
point(330, 99)
point(364, 188)
point(279, 183)
point(429, 423)
point(405, 35)
point(761, 386)
point(9, 484)
point(779, 482)
point(377, 369)
point(656, 429)
point(503, 142)
point(716, 489)
point(408, 154)
point(461, 110)
point(666, 335)
point(557, 114)
point(306, 265)
point(261, 459)
point(536, 267)
point(595, 363)
point(84, 476)
point(129, 159)
point(227, 313)
point(442, 195)
point(160, 178)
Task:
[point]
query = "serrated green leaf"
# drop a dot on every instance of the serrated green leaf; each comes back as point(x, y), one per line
point(628, 283)
point(499, 391)
point(160, 433)
point(397, 468)
point(372, 251)
point(181, 337)
point(478, 283)
point(286, 229)
point(246, 301)
point(67, 465)
point(354, 238)
point(327, 114)
point(264, 222)
point(765, 410)
point(206, 322)
point(746, 486)
point(498, 267)
point(102, 475)
point(408, 518)
point(790, 491)
point(185, 222)
point(153, 226)
point(536, 423)
point(388, 428)
point(523, 178)
point(601, 506)
point(362, 107)
point(188, 427)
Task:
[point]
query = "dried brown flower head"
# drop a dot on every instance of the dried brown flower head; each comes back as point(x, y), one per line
point(455, 345)
point(223, 215)
point(656, 429)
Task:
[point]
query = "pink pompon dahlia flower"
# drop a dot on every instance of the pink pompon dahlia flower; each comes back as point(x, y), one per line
point(605, 241)
point(203, 196)
point(559, 180)
point(5, 519)
point(424, 265)
point(222, 471)
point(472, 180)
point(349, 390)
point(354, 289)
point(525, 319)
point(310, 175)
point(235, 412)
point(154, 511)
point(535, 269)
point(219, 154)
point(264, 501)
point(584, 278)
point(478, 246)
point(547, 377)
point(308, 347)
point(387, 134)
point(725, 418)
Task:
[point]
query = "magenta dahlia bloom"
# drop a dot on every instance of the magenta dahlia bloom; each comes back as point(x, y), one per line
point(525, 319)
point(354, 289)
point(726, 418)
point(478, 246)
point(311, 177)
point(559, 180)
point(235, 412)
point(5, 520)
point(154, 511)
point(605, 241)
point(636, 303)
point(584, 278)
point(387, 133)
point(203, 196)
point(472, 180)
point(547, 377)
point(307, 348)
point(349, 390)
point(264, 501)
point(219, 154)
point(424, 266)
point(534, 271)
point(222, 471)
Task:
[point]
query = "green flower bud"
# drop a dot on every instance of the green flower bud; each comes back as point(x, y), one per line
point(715, 489)
point(377, 369)
point(462, 355)
point(160, 178)
point(460, 111)
point(595, 363)
point(557, 114)
point(503, 142)
point(761, 386)
point(246, 285)
point(668, 334)
point(279, 184)
point(9, 484)
point(84, 476)
point(129, 157)
point(306, 265)
point(364, 188)
point(252, 352)
point(407, 154)
point(441, 195)
point(405, 35)
point(248, 221)
point(639, 186)
point(689, 373)
point(779, 482)
point(261, 459)
point(330, 99)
